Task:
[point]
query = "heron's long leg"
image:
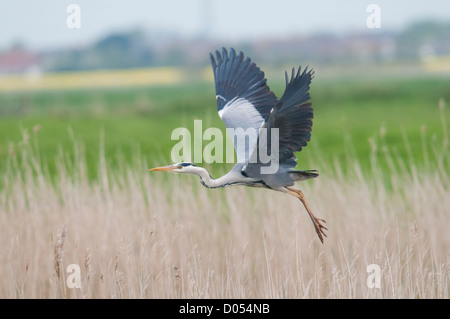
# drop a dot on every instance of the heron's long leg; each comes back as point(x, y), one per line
point(316, 221)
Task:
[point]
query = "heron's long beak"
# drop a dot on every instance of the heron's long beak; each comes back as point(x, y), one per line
point(163, 168)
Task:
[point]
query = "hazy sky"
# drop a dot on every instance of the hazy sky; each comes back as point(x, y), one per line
point(42, 23)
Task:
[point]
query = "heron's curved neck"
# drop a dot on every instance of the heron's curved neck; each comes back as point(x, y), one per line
point(210, 182)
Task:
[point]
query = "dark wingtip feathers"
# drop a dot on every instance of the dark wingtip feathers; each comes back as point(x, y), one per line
point(213, 61)
point(299, 74)
point(222, 57)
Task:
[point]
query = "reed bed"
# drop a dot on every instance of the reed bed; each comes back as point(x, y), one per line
point(134, 234)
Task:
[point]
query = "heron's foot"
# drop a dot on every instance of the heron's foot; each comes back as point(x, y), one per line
point(320, 228)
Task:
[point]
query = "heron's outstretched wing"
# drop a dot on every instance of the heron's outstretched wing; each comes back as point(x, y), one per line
point(243, 98)
point(292, 116)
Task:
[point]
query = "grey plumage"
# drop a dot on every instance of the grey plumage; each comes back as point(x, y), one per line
point(245, 101)
point(239, 79)
point(236, 76)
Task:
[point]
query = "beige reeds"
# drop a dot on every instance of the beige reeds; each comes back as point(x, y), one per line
point(141, 235)
point(59, 251)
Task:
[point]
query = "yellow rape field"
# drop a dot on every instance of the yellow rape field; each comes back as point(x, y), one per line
point(438, 64)
point(91, 79)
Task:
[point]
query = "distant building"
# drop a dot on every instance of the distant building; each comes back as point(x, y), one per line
point(18, 60)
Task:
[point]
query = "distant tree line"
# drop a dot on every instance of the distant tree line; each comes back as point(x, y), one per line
point(137, 48)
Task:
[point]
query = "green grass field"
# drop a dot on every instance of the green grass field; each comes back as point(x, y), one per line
point(351, 116)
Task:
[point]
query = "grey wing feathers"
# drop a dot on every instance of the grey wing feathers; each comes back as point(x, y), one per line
point(293, 116)
point(297, 88)
point(238, 77)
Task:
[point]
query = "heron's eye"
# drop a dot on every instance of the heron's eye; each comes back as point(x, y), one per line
point(180, 166)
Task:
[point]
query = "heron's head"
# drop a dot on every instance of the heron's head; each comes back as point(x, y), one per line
point(186, 168)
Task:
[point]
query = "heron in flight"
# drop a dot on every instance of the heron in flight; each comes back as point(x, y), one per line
point(245, 101)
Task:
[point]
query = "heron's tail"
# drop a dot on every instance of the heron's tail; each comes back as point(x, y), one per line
point(302, 175)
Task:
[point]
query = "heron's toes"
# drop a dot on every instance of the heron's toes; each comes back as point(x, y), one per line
point(320, 228)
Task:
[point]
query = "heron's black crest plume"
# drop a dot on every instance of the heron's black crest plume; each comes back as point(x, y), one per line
point(186, 164)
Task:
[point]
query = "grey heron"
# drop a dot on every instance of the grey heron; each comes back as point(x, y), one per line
point(244, 100)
